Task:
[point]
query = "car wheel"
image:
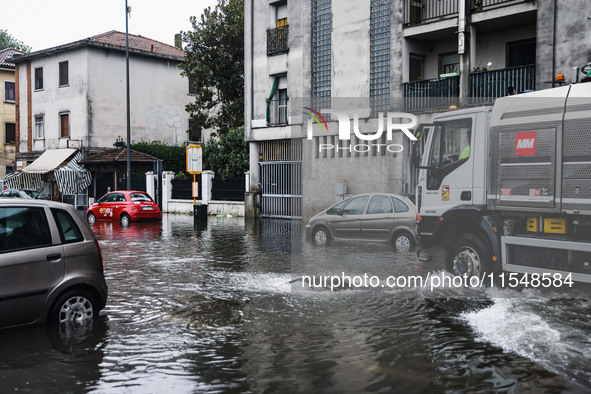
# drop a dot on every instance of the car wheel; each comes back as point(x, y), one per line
point(75, 306)
point(91, 218)
point(403, 242)
point(469, 257)
point(125, 220)
point(321, 236)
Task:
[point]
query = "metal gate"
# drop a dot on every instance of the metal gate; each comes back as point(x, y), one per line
point(281, 179)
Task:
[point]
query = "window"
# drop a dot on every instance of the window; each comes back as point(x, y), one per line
point(68, 229)
point(64, 125)
point(39, 78)
point(416, 68)
point(379, 204)
point(449, 63)
point(63, 66)
point(10, 133)
point(192, 86)
point(39, 126)
point(355, 206)
point(281, 15)
point(521, 53)
point(9, 92)
point(399, 206)
point(449, 142)
point(194, 131)
point(23, 228)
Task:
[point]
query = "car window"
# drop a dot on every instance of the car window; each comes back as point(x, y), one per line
point(23, 228)
point(119, 197)
point(379, 204)
point(68, 229)
point(355, 206)
point(140, 197)
point(399, 206)
point(108, 198)
point(336, 208)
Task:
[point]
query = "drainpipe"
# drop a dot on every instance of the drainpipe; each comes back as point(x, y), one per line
point(464, 67)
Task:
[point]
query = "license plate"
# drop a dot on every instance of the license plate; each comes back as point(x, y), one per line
point(147, 208)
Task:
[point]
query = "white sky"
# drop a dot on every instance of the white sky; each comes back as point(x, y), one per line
point(42, 24)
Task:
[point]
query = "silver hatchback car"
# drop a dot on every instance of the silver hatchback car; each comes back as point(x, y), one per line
point(377, 217)
point(51, 267)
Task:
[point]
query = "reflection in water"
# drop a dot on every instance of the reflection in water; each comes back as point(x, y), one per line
point(221, 308)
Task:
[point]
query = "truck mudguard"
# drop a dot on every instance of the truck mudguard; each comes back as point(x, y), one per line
point(468, 219)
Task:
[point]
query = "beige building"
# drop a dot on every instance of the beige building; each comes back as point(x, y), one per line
point(7, 112)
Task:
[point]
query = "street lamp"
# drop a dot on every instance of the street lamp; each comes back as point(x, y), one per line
point(127, 12)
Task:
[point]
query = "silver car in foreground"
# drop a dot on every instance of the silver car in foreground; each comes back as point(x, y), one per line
point(51, 267)
point(377, 217)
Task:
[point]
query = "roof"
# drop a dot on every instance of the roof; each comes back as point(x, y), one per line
point(6, 54)
point(117, 155)
point(114, 40)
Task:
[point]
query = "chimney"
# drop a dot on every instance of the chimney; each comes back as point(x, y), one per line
point(178, 41)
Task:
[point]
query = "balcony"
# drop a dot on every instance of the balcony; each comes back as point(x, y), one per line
point(430, 94)
point(485, 86)
point(484, 5)
point(277, 112)
point(423, 11)
point(277, 40)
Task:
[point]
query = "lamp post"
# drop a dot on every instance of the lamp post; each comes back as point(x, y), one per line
point(127, 11)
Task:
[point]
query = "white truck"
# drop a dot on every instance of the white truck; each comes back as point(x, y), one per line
point(518, 198)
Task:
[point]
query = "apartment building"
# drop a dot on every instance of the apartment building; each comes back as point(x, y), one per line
point(365, 59)
point(74, 97)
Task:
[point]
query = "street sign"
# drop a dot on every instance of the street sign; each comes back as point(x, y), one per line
point(195, 189)
point(194, 159)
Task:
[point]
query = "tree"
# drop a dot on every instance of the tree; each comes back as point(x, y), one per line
point(214, 64)
point(8, 41)
point(228, 156)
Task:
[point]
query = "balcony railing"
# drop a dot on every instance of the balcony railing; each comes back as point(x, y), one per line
point(420, 11)
point(277, 112)
point(431, 93)
point(485, 86)
point(483, 5)
point(277, 40)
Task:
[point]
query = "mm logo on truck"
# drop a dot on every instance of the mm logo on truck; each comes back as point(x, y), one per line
point(525, 144)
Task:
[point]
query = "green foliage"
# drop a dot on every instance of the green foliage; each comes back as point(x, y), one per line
point(214, 62)
point(228, 156)
point(173, 157)
point(8, 41)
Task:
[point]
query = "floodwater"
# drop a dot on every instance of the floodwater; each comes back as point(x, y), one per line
point(245, 307)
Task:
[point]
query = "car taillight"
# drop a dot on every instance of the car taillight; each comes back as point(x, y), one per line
point(100, 254)
point(418, 218)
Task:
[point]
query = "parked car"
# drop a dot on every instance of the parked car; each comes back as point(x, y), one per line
point(377, 217)
point(24, 193)
point(51, 267)
point(125, 206)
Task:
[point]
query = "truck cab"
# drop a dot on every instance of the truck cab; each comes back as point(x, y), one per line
point(453, 167)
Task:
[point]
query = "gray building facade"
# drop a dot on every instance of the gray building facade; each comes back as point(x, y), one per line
point(366, 59)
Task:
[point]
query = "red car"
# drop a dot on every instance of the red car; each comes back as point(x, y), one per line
point(125, 206)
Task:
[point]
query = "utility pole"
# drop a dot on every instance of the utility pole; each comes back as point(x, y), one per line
point(127, 12)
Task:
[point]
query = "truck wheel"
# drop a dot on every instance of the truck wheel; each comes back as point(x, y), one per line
point(469, 257)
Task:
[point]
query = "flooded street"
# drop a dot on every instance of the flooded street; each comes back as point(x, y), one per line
point(226, 309)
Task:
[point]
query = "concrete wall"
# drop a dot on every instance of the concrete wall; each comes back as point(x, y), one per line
point(158, 95)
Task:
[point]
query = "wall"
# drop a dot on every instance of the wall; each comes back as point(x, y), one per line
point(7, 115)
point(157, 104)
point(53, 99)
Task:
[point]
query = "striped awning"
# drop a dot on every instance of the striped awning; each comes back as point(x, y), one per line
point(71, 177)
